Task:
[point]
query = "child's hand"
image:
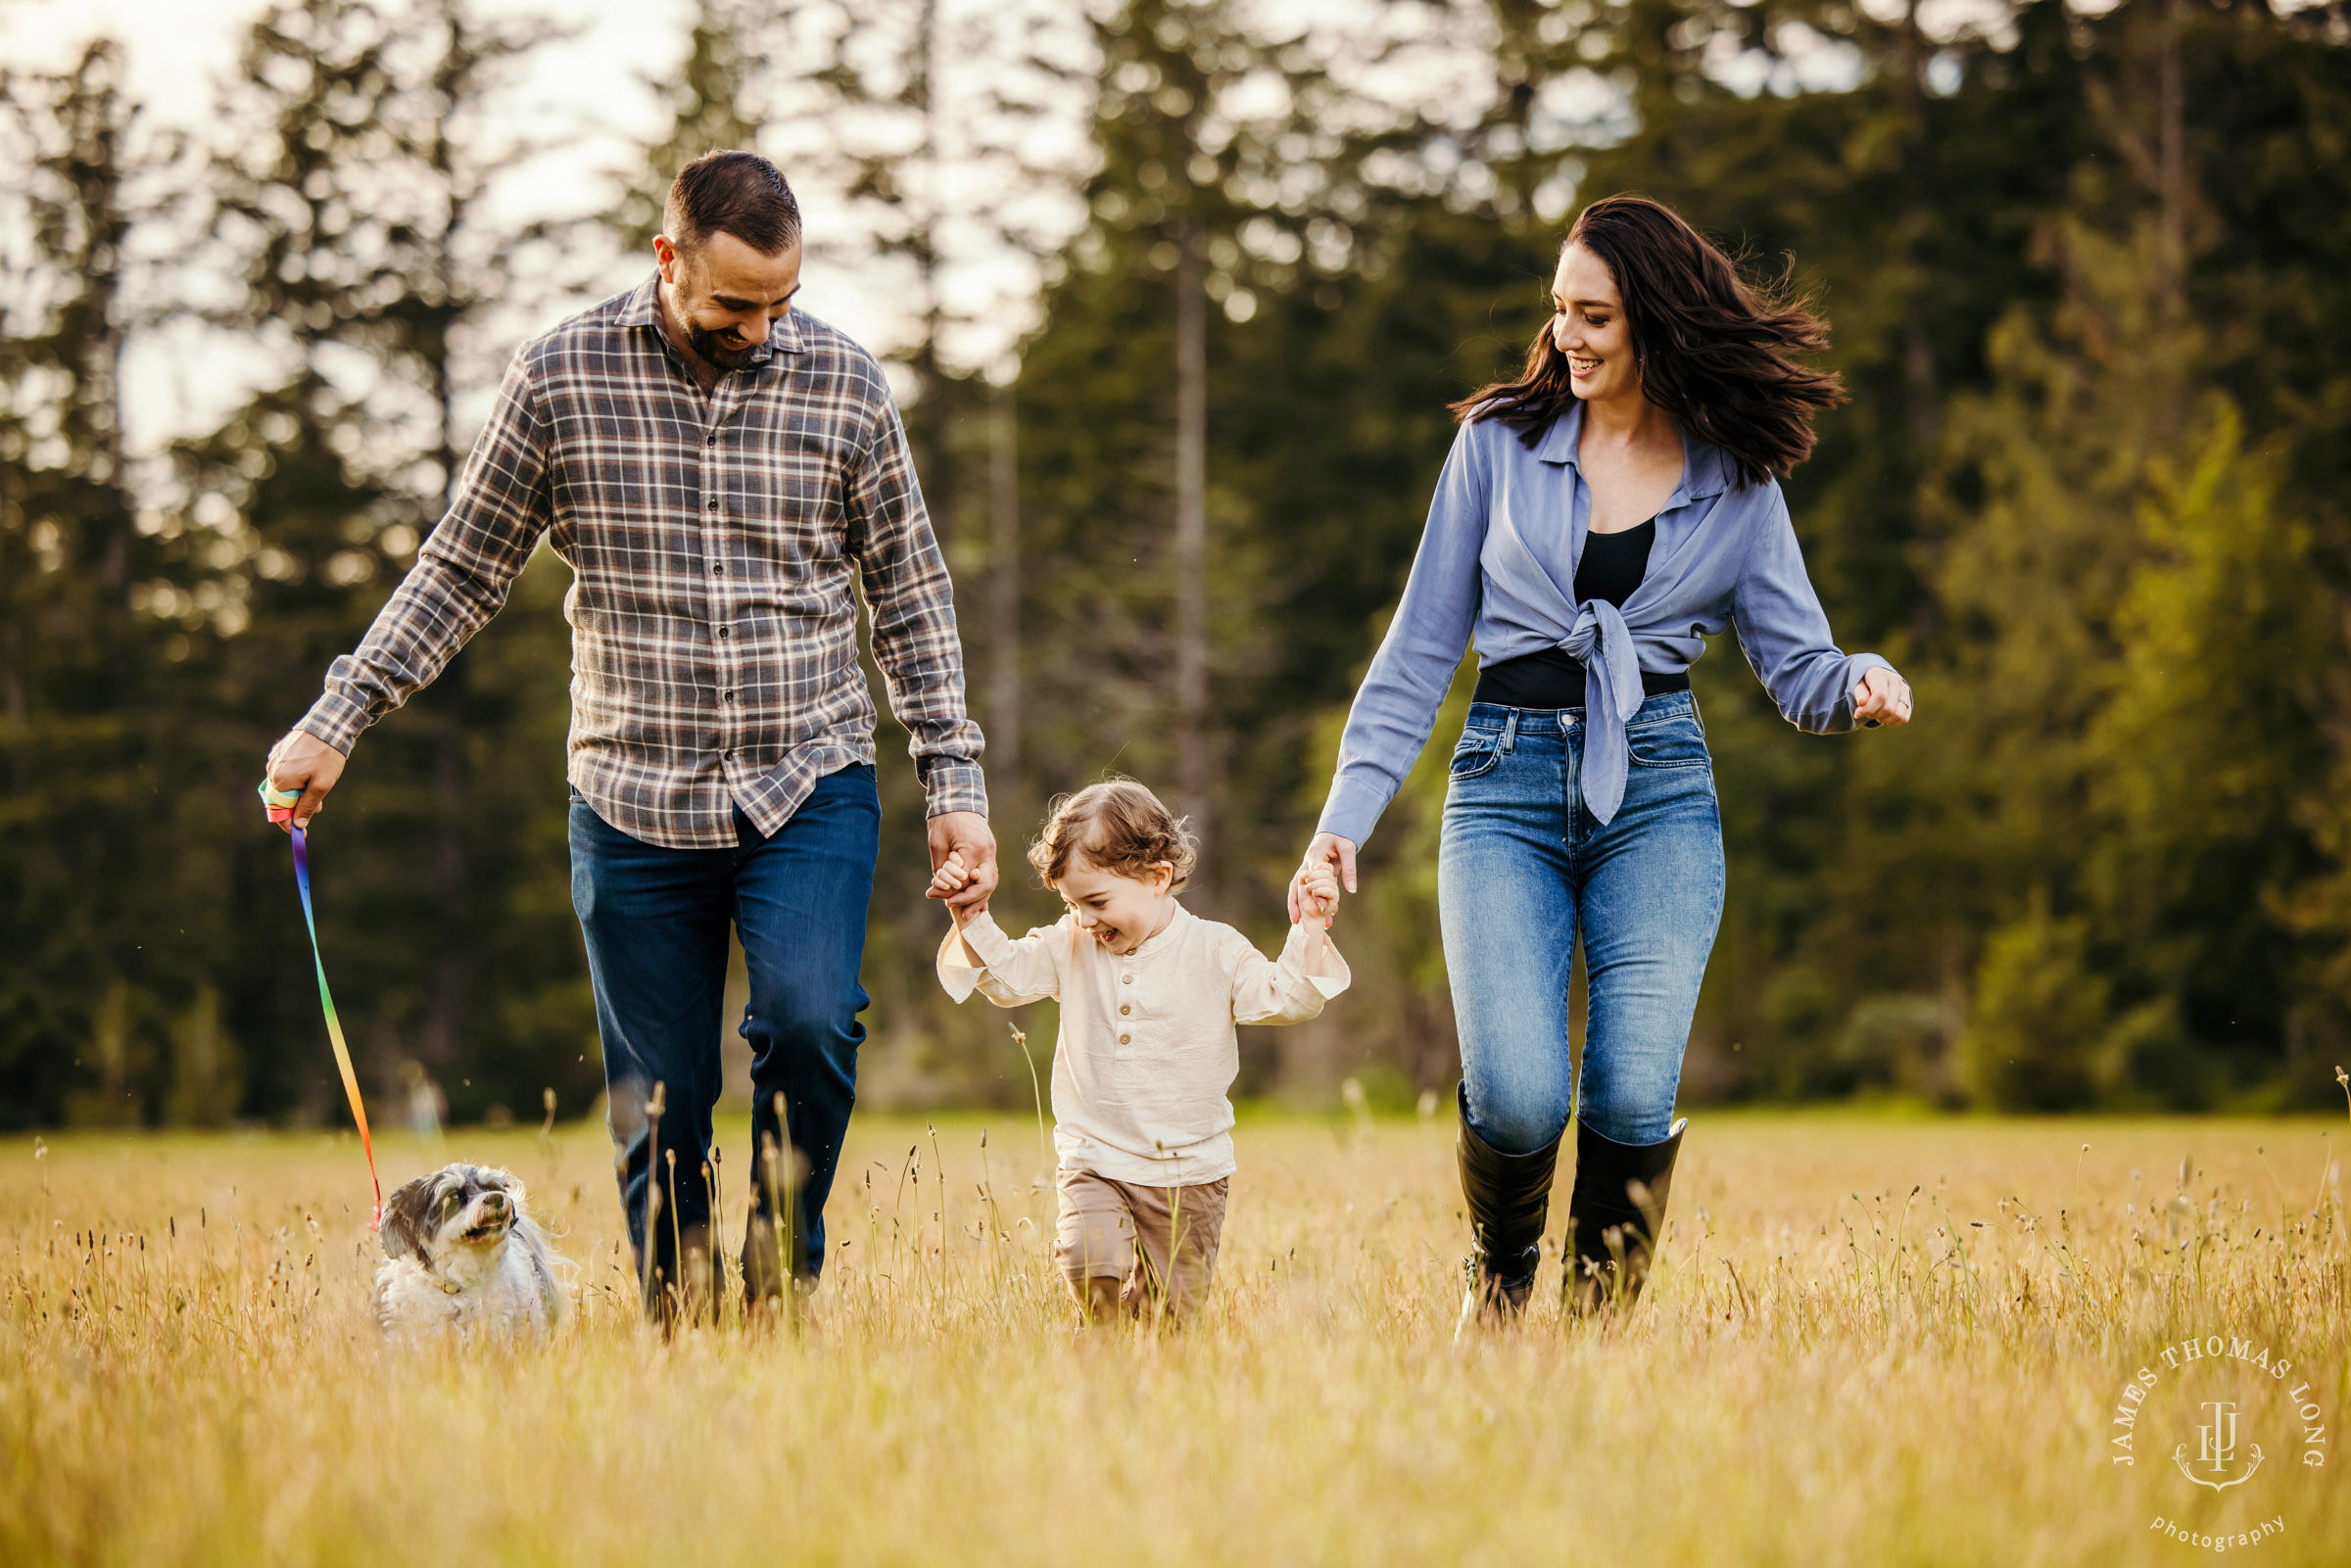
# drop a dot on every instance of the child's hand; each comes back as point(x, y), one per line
point(1318, 894)
point(951, 877)
point(1318, 901)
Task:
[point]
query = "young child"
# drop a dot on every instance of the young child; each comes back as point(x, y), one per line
point(1149, 995)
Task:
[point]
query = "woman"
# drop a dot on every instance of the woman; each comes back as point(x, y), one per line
point(1599, 516)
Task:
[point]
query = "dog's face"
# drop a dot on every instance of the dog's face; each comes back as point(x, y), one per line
point(454, 1209)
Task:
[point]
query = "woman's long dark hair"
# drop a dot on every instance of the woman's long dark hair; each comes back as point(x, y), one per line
point(1716, 353)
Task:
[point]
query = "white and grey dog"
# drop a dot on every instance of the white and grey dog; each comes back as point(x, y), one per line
point(463, 1256)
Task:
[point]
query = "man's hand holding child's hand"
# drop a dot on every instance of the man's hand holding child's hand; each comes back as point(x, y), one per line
point(952, 877)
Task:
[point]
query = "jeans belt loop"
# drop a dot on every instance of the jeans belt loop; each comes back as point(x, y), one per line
point(1510, 733)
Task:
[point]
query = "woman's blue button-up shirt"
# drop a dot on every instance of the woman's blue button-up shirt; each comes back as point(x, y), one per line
point(1498, 561)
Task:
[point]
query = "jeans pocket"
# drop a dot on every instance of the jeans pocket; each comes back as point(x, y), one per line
point(1675, 743)
point(1478, 753)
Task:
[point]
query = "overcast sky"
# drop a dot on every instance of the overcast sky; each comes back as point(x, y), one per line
point(590, 87)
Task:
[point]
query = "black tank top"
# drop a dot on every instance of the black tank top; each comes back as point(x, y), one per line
point(1613, 566)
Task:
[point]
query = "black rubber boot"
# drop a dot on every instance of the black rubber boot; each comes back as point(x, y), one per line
point(1616, 1213)
point(1508, 1196)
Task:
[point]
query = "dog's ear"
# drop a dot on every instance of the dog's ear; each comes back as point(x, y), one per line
point(404, 1220)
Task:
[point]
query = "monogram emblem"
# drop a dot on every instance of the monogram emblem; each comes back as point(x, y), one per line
point(2215, 1448)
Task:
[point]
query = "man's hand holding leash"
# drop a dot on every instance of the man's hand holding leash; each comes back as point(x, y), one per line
point(302, 763)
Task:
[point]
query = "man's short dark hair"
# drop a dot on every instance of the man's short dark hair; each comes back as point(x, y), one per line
point(734, 193)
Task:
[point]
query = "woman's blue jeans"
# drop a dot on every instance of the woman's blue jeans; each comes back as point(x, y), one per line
point(1523, 869)
point(655, 922)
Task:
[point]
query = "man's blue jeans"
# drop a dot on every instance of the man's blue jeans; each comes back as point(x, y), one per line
point(1524, 867)
point(655, 920)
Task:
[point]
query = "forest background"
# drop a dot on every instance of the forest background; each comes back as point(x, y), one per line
point(1178, 293)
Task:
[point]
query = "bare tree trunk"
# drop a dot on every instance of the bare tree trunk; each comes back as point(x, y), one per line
point(2171, 239)
point(1004, 584)
point(1191, 541)
point(1918, 349)
point(921, 92)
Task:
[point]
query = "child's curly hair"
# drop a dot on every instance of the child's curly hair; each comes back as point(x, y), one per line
point(1120, 828)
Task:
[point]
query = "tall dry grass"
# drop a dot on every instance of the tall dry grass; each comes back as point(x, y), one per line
point(1869, 1341)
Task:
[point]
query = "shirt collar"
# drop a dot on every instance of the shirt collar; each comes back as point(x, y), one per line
point(644, 309)
point(1559, 443)
point(1705, 469)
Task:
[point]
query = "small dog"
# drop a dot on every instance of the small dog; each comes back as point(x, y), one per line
point(463, 1255)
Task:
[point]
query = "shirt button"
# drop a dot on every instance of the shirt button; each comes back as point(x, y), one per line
point(1124, 1009)
point(1126, 979)
point(710, 440)
point(714, 503)
point(1125, 1039)
point(722, 631)
point(726, 697)
point(719, 567)
point(730, 756)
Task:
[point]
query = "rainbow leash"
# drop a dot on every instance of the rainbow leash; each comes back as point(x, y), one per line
point(280, 804)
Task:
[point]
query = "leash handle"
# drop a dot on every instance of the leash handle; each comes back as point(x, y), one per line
point(280, 805)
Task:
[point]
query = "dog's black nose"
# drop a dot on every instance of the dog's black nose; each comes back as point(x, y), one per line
point(494, 1201)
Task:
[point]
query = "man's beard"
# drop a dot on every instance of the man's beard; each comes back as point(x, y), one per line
point(705, 343)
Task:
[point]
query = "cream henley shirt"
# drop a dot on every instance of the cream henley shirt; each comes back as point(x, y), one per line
point(1147, 1055)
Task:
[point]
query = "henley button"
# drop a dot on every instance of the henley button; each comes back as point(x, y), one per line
point(1123, 1009)
point(1126, 979)
point(1126, 1039)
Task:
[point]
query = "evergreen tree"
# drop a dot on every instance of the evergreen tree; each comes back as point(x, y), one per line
point(351, 189)
point(88, 684)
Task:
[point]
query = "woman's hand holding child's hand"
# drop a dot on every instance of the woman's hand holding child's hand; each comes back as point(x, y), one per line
point(1317, 894)
point(1329, 853)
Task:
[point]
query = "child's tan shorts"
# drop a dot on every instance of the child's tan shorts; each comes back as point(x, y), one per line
point(1101, 1221)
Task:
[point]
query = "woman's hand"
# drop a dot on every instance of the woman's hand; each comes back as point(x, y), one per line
point(1328, 852)
point(1318, 892)
point(1882, 697)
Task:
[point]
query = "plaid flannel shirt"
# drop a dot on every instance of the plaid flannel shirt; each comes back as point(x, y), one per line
point(712, 539)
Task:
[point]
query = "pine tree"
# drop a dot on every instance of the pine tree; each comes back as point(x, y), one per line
point(349, 188)
point(84, 676)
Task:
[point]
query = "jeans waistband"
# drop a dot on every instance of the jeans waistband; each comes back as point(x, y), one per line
point(1498, 716)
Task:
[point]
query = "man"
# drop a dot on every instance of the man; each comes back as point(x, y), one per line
point(714, 467)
